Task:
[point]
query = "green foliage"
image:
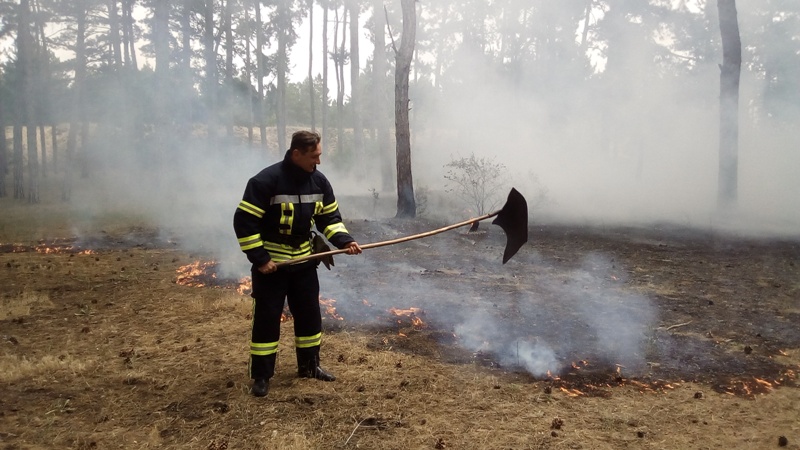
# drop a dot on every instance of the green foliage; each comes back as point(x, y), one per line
point(476, 180)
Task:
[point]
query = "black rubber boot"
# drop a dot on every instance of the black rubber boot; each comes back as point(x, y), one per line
point(308, 365)
point(260, 387)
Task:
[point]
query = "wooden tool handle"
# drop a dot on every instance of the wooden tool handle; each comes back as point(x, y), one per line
point(389, 242)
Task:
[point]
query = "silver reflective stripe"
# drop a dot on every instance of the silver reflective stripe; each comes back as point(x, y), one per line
point(310, 198)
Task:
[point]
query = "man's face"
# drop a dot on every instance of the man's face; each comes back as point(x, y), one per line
point(307, 161)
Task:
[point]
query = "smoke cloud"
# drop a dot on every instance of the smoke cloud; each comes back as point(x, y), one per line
point(635, 147)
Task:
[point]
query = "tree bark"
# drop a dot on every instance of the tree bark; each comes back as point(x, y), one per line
point(78, 110)
point(129, 31)
point(43, 149)
point(228, 67)
point(248, 71)
point(406, 204)
point(3, 151)
point(42, 76)
point(285, 24)
point(339, 66)
point(730, 72)
point(128, 52)
point(19, 178)
point(161, 46)
point(211, 73)
point(358, 133)
point(311, 93)
point(262, 126)
point(324, 76)
point(26, 58)
point(54, 144)
point(185, 70)
point(113, 32)
point(381, 98)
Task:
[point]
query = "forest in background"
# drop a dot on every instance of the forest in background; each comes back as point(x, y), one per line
point(88, 79)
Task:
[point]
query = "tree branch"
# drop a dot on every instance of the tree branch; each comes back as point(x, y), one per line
point(389, 29)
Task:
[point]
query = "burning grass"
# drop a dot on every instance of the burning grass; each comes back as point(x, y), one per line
point(128, 347)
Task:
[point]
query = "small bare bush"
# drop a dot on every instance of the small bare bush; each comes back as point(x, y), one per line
point(477, 181)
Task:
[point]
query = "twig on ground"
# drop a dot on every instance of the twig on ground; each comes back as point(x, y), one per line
point(677, 325)
point(354, 431)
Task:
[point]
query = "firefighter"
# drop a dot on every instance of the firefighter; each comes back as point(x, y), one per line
point(273, 224)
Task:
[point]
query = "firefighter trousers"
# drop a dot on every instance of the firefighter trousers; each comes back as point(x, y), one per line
point(299, 286)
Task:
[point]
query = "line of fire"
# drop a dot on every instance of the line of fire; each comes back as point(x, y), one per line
point(577, 379)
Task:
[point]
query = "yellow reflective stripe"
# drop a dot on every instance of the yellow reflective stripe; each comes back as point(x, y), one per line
point(318, 208)
point(251, 208)
point(282, 252)
point(246, 243)
point(263, 349)
point(334, 228)
point(327, 209)
point(308, 341)
point(286, 219)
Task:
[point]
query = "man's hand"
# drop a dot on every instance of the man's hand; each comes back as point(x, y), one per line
point(268, 268)
point(353, 248)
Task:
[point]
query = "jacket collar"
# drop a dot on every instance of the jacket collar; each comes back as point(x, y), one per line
point(293, 169)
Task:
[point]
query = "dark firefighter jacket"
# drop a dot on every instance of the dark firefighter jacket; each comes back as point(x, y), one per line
point(279, 206)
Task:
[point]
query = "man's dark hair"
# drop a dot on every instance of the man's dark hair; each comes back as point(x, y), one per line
point(305, 141)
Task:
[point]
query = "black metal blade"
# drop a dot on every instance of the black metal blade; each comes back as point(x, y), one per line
point(513, 219)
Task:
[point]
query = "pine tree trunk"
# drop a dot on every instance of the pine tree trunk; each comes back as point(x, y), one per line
point(113, 33)
point(283, 64)
point(43, 149)
point(358, 133)
point(380, 98)
point(339, 61)
point(310, 65)
point(324, 77)
point(19, 180)
point(43, 79)
point(127, 39)
point(211, 73)
point(228, 67)
point(134, 121)
point(3, 151)
point(262, 126)
point(25, 53)
point(730, 72)
point(161, 123)
point(54, 144)
point(406, 204)
point(248, 70)
point(130, 37)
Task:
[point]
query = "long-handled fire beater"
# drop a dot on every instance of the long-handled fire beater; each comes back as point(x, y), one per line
point(512, 218)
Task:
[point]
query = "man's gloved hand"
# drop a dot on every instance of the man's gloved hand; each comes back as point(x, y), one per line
point(318, 245)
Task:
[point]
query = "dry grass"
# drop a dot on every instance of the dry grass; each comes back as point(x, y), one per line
point(94, 356)
point(165, 367)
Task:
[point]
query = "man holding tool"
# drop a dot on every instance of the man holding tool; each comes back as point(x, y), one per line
point(273, 224)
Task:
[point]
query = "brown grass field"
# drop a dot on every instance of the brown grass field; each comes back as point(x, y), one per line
point(100, 347)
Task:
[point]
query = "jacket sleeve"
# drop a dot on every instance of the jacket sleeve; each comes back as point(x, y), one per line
point(247, 222)
point(329, 219)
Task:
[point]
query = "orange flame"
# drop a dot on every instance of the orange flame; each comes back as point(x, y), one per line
point(330, 310)
point(412, 313)
point(245, 286)
point(194, 273)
